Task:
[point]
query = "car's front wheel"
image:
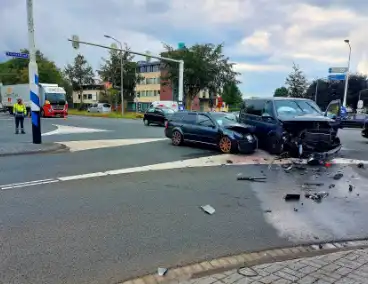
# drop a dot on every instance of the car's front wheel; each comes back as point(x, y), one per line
point(146, 122)
point(177, 138)
point(276, 145)
point(225, 145)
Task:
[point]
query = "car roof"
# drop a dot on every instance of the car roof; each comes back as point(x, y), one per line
point(278, 99)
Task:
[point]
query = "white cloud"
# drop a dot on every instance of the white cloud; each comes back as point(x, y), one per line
point(262, 36)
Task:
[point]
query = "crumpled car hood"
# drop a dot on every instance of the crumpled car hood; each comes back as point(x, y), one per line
point(297, 118)
point(241, 128)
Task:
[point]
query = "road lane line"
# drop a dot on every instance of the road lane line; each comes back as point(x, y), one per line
point(209, 161)
point(29, 184)
point(83, 176)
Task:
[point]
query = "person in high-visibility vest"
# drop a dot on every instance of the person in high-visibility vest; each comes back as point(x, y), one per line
point(20, 111)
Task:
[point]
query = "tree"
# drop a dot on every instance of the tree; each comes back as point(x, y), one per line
point(332, 90)
point(205, 67)
point(110, 71)
point(297, 83)
point(15, 71)
point(79, 74)
point(231, 94)
point(281, 92)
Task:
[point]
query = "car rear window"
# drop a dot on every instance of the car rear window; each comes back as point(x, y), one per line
point(177, 116)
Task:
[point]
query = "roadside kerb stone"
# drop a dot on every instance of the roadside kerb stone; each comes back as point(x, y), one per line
point(301, 269)
point(28, 148)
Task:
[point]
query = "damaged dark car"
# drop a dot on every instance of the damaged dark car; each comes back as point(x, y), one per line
point(216, 129)
point(294, 126)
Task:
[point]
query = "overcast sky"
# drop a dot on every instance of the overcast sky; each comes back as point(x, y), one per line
point(264, 37)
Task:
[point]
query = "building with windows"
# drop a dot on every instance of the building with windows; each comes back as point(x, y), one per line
point(90, 93)
point(148, 89)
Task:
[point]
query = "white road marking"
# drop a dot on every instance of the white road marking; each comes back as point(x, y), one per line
point(64, 129)
point(75, 146)
point(210, 161)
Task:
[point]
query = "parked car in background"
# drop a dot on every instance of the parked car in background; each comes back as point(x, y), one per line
point(99, 108)
point(292, 125)
point(157, 115)
point(211, 128)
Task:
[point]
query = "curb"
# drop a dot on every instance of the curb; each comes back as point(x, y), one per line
point(219, 265)
point(55, 149)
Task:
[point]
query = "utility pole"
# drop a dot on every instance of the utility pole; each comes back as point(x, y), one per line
point(33, 78)
point(347, 75)
point(121, 72)
point(75, 42)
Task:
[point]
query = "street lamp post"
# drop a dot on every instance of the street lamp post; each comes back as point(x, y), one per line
point(347, 74)
point(121, 72)
point(33, 78)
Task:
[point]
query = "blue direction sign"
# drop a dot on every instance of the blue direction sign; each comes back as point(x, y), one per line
point(337, 70)
point(336, 77)
point(17, 54)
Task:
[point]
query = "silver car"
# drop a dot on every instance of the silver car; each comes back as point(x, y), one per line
point(100, 108)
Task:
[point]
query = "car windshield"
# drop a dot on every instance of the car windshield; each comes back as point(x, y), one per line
point(54, 97)
point(224, 118)
point(296, 107)
point(168, 110)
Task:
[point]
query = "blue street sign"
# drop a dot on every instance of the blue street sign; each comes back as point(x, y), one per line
point(336, 77)
point(181, 45)
point(181, 107)
point(17, 54)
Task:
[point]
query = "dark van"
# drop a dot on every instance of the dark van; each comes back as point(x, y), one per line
point(293, 125)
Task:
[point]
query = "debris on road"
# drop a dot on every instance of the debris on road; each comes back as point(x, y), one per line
point(360, 166)
point(268, 211)
point(350, 188)
point(316, 196)
point(312, 161)
point(313, 184)
point(161, 271)
point(254, 179)
point(208, 209)
point(229, 161)
point(338, 176)
point(331, 186)
point(296, 209)
point(292, 197)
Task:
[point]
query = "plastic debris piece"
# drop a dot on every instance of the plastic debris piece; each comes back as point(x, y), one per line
point(350, 188)
point(296, 209)
point(268, 211)
point(208, 209)
point(331, 186)
point(292, 197)
point(229, 161)
point(161, 271)
point(338, 176)
point(328, 164)
point(314, 162)
point(360, 166)
point(317, 196)
point(313, 183)
point(254, 179)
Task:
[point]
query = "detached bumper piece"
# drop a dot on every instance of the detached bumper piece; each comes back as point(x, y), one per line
point(248, 146)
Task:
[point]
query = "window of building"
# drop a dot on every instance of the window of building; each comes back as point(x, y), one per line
point(90, 96)
point(158, 80)
point(79, 97)
point(149, 93)
point(84, 97)
point(156, 68)
point(143, 93)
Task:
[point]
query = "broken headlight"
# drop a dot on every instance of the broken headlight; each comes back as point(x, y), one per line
point(249, 137)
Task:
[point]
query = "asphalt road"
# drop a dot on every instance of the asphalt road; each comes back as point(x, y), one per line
point(106, 229)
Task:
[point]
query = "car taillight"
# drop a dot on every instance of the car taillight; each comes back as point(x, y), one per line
point(166, 124)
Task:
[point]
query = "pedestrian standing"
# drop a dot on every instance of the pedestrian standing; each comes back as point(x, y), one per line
point(20, 111)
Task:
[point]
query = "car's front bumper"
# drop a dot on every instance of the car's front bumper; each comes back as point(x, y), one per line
point(246, 146)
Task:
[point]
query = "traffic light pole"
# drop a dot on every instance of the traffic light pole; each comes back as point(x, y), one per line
point(75, 41)
point(33, 78)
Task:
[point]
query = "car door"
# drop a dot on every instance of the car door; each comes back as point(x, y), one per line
point(93, 108)
point(188, 125)
point(269, 123)
point(159, 116)
point(149, 115)
point(205, 130)
point(253, 116)
point(333, 111)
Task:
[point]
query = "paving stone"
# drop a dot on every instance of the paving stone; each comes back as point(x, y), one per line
point(269, 279)
point(232, 278)
point(307, 280)
point(331, 267)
